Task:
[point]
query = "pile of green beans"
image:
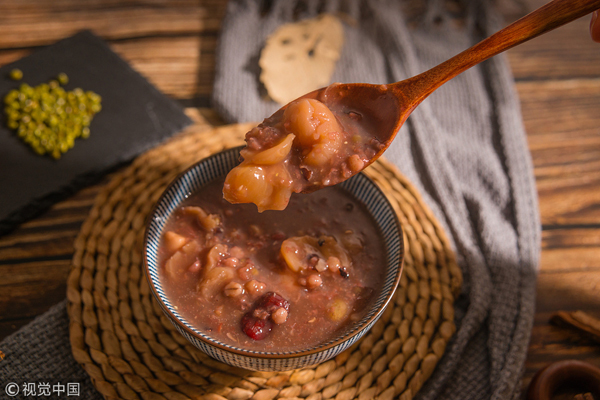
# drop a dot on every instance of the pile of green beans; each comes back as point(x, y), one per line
point(47, 117)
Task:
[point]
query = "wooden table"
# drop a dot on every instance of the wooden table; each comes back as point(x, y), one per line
point(172, 43)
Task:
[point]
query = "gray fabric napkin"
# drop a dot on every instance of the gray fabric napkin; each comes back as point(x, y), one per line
point(38, 361)
point(464, 148)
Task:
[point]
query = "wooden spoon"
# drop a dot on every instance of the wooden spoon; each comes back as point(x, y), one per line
point(376, 112)
point(384, 108)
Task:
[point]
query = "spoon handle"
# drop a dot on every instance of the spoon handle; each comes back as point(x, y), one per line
point(550, 16)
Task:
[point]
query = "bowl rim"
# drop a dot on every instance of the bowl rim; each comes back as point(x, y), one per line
point(358, 330)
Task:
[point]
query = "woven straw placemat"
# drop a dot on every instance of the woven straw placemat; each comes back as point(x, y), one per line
point(130, 350)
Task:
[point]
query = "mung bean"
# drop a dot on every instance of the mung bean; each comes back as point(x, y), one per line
point(47, 117)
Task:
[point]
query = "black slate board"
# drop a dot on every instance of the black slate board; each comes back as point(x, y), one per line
point(135, 116)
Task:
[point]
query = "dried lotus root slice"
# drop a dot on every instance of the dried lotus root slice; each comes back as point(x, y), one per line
point(300, 57)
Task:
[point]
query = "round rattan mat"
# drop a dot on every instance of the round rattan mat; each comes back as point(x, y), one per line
point(130, 350)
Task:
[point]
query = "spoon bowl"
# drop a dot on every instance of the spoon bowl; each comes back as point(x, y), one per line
point(383, 109)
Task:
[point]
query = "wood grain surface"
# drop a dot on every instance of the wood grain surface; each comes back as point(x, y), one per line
point(172, 43)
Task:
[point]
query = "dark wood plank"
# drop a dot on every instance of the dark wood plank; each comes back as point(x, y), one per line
point(543, 58)
point(35, 260)
point(571, 249)
point(581, 238)
point(52, 233)
point(28, 289)
point(10, 55)
point(569, 277)
point(567, 106)
point(38, 245)
point(10, 326)
point(22, 27)
point(171, 64)
point(206, 67)
point(562, 123)
point(569, 291)
point(28, 7)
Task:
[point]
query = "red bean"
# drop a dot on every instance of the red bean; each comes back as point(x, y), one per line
point(256, 328)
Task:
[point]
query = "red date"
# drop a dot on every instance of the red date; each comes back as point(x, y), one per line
point(257, 323)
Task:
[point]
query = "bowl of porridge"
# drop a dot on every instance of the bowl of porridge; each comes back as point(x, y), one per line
point(273, 290)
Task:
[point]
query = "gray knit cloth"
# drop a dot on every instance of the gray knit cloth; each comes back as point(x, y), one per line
point(464, 149)
point(40, 354)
